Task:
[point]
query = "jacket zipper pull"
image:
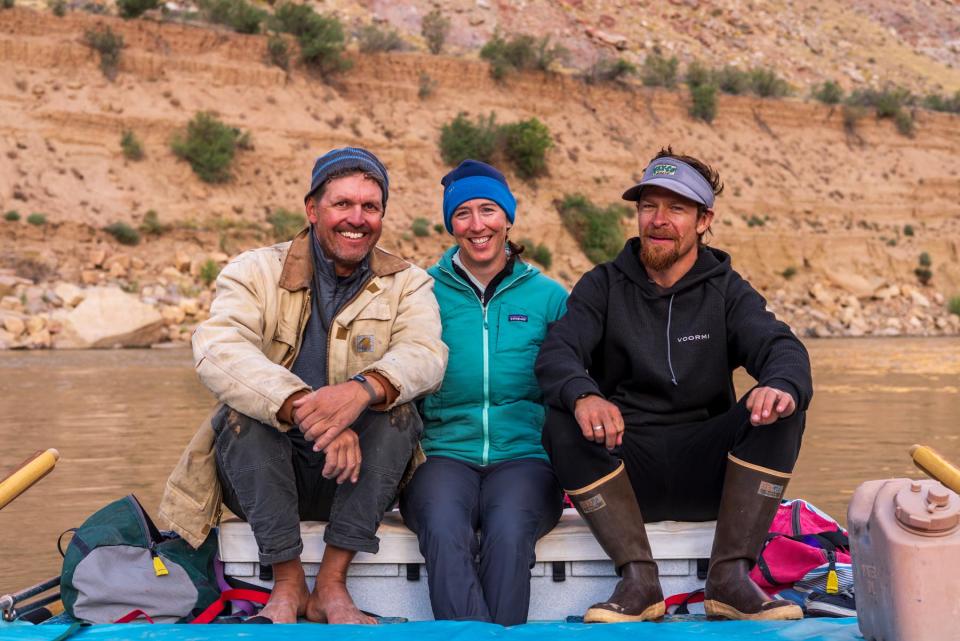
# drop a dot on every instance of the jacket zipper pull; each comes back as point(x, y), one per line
point(158, 567)
point(833, 581)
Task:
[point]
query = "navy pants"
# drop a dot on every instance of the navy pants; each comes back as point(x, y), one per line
point(511, 504)
point(676, 471)
point(273, 480)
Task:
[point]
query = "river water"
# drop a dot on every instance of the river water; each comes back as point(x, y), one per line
point(121, 418)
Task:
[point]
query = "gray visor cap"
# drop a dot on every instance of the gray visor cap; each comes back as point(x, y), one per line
point(678, 177)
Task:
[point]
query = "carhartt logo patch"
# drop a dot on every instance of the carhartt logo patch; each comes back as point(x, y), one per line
point(772, 490)
point(517, 318)
point(664, 170)
point(365, 343)
point(593, 504)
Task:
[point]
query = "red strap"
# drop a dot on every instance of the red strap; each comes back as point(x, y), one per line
point(684, 597)
point(236, 594)
point(133, 615)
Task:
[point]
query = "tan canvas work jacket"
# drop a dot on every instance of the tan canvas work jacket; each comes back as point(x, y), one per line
point(244, 351)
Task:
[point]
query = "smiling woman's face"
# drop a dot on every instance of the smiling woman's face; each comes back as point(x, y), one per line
point(480, 228)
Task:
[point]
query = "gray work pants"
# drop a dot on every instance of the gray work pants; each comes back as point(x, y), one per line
point(273, 480)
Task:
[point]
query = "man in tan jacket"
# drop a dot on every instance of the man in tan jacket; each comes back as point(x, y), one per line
point(315, 349)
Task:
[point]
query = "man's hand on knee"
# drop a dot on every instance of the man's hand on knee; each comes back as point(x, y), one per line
point(768, 405)
point(322, 415)
point(343, 458)
point(600, 421)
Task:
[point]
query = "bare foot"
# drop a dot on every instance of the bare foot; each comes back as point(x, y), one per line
point(331, 603)
point(288, 599)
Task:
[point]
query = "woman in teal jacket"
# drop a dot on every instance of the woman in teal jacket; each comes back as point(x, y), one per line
point(486, 471)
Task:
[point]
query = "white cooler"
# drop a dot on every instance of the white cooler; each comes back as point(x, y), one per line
point(572, 571)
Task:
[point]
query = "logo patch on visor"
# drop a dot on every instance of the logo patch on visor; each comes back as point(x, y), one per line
point(664, 170)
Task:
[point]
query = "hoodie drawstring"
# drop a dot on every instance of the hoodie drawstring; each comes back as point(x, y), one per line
point(673, 377)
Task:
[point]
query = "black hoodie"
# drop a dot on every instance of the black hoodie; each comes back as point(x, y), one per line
point(666, 356)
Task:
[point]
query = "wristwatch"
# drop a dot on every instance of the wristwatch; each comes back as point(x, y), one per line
point(360, 378)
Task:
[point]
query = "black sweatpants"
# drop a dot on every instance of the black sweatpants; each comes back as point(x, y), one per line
point(676, 470)
point(273, 480)
point(511, 503)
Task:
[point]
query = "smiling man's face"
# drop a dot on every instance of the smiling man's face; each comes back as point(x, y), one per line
point(347, 218)
point(669, 228)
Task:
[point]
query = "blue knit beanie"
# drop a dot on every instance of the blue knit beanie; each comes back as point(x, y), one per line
point(474, 179)
point(344, 159)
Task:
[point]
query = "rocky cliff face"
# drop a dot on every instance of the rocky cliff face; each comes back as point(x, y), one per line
point(814, 213)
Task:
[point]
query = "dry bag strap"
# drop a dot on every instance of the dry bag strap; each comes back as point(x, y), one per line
point(133, 615)
point(684, 599)
point(215, 608)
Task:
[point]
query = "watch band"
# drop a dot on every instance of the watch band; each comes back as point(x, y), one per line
point(360, 378)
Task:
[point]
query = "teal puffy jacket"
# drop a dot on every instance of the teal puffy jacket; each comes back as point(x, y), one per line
point(489, 407)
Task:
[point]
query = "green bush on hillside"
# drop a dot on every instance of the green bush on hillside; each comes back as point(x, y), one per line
point(321, 37)
point(462, 139)
point(12, 216)
point(434, 29)
point(131, 146)
point(697, 75)
point(658, 71)
point(151, 224)
point(135, 8)
point(537, 252)
point(123, 233)
point(239, 15)
point(209, 271)
point(6, 4)
point(908, 230)
point(37, 219)
point(278, 54)
point(518, 53)
point(208, 145)
point(525, 145)
point(731, 80)
point(286, 224)
point(703, 102)
point(57, 7)
point(829, 93)
point(765, 83)
point(953, 305)
point(109, 45)
point(597, 230)
point(373, 39)
point(946, 104)
point(420, 227)
point(609, 70)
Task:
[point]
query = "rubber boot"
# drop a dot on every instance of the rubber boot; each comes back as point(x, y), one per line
point(751, 495)
point(610, 509)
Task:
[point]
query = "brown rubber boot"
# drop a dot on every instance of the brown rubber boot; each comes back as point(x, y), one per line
point(751, 495)
point(610, 509)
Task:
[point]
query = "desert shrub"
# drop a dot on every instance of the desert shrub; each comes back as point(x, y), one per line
point(285, 224)
point(434, 29)
point(239, 15)
point(12, 216)
point(609, 70)
point(427, 85)
point(57, 7)
point(923, 271)
point(519, 52)
point(420, 227)
point(829, 93)
point(538, 252)
point(789, 272)
point(731, 80)
point(703, 102)
point(461, 139)
point(924, 260)
point(525, 145)
point(278, 54)
point(890, 102)
point(658, 71)
point(597, 230)
point(123, 233)
point(903, 120)
point(947, 104)
point(767, 84)
point(755, 221)
point(439, 228)
point(208, 145)
point(373, 39)
point(320, 37)
point(6, 4)
point(131, 146)
point(953, 305)
point(135, 8)
point(209, 271)
point(37, 219)
point(151, 224)
point(908, 230)
point(697, 75)
point(109, 45)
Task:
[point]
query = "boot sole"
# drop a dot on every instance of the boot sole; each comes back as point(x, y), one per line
point(601, 615)
point(720, 610)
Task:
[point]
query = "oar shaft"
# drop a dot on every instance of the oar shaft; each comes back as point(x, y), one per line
point(29, 472)
point(928, 460)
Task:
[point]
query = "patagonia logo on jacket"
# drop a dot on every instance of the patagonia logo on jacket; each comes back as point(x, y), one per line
point(517, 318)
point(693, 337)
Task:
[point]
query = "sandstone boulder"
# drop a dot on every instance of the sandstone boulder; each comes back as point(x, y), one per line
point(70, 294)
point(108, 317)
point(9, 284)
point(851, 283)
point(14, 325)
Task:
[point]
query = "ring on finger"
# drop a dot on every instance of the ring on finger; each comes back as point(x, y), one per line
point(598, 428)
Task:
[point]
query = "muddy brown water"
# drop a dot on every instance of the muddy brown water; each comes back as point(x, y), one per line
point(121, 418)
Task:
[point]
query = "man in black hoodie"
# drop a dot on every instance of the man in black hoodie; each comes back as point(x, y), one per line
point(643, 421)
